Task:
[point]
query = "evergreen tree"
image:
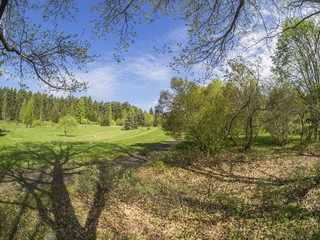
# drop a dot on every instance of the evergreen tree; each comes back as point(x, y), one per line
point(41, 117)
point(141, 120)
point(130, 122)
point(23, 111)
point(81, 111)
point(4, 113)
point(151, 111)
point(104, 120)
point(55, 113)
point(92, 116)
point(28, 116)
point(110, 116)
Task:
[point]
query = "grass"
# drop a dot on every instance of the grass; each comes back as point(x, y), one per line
point(36, 147)
point(269, 192)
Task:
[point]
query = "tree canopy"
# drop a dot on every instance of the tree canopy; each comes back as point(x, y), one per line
point(214, 29)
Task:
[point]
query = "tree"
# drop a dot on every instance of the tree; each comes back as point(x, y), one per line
point(245, 101)
point(141, 120)
point(81, 112)
point(151, 111)
point(110, 116)
point(68, 123)
point(5, 113)
point(23, 110)
point(284, 112)
point(196, 113)
point(130, 122)
point(37, 52)
point(28, 116)
point(214, 28)
point(55, 113)
point(297, 61)
point(149, 119)
point(92, 116)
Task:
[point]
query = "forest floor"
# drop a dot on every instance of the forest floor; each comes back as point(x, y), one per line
point(268, 192)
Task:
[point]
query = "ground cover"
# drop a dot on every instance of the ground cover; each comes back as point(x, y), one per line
point(269, 192)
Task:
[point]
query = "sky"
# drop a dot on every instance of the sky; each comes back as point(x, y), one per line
point(144, 73)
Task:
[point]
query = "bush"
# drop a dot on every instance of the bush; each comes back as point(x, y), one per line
point(84, 121)
point(37, 123)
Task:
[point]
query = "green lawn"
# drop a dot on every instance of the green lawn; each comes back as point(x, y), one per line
point(41, 146)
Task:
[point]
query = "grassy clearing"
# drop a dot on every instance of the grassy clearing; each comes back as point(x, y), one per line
point(270, 192)
point(40, 146)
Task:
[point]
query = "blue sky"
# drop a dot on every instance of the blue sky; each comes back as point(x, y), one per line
point(144, 73)
point(139, 79)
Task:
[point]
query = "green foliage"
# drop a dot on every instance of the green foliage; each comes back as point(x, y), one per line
point(92, 116)
point(23, 111)
point(81, 111)
point(295, 62)
point(84, 121)
point(283, 113)
point(37, 123)
point(200, 114)
point(28, 116)
point(5, 113)
point(130, 122)
point(119, 122)
point(68, 123)
point(110, 117)
point(149, 119)
point(141, 120)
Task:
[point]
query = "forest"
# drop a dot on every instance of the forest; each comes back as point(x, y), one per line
point(48, 108)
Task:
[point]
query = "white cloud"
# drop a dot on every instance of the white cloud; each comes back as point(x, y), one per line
point(147, 105)
point(149, 68)
point(102, 81)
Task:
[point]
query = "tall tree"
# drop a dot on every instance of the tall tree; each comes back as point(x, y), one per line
point(5, 112)
point(23, 111)
point(28, 116)
point(81, 111)
point(297, 60)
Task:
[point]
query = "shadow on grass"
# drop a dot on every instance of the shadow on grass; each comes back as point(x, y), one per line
point(69, 135)
point(3, 132)
point(53, 203)
point(31, 166)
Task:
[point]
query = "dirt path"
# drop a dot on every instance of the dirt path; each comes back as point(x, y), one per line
point(36, 178)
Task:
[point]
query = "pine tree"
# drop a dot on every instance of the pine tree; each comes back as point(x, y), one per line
point(151, 111)
point(110, 116)
point(28, 116)
point(4, 113)
point(41, 111)
point(81, 111)
point(23, 110)
point(130, 122)
point(141, 120)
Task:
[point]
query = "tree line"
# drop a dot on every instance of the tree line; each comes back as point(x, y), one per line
point(26, 107)
point(244, 103)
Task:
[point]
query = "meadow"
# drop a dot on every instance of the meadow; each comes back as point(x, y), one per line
point(33, 147)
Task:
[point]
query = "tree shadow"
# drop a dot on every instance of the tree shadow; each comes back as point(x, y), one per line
point(52, 203)
point(3, 132)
